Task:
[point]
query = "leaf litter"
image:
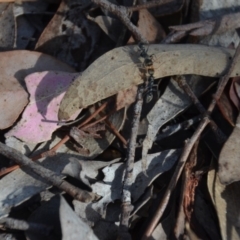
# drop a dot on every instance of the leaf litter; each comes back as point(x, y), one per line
point(76, 153)
point(39, 119)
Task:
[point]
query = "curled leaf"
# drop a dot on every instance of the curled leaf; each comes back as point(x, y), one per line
point(119, 70)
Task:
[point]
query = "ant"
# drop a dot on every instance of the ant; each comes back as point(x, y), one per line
point(148, 64)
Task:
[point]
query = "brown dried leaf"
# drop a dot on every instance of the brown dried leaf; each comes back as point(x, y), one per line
point(226, 108)
point(20, 63)
point(81, 136)
point(7, 25)
point(126, 97)
point(15, 66)
point(207, 27)
point(108, 75)
point(210, 26)
point(229, 170)
point(69, 36)
point(13, 98)
point(149, 27)
point(109, 25)
point(234, 96)
point(226, 201)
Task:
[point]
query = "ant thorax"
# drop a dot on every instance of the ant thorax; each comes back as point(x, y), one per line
point(148, 66)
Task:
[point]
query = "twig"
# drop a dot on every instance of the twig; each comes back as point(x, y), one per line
point(116, 132)
point(85, 127)
point(123, 14)
point(67, 137)
point(224, 80)
point(152, 4)
point(127, 207)
point(187, 149)
point(52, 151)
point(46, 174)
point(155, 3)
point(124, 29)
point(22, 225)
point(206, 27)
point(181, 80)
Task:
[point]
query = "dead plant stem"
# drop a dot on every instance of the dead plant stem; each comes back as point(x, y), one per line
point(53, 150)
point(46, 174)
point(151, 4)
point(224, 80)
point(128, 177)
point(123, 14)
point(188, 147)
point(162, 206)
point(181, 80)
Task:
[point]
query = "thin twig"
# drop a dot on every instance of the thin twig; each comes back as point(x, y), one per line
point(22, 225)
point(116, 132)
point(152, 4)
point(123, 14)
point(127, 207)
point(187, 149)
point(124, 29)
point(207, 27)
point(95, 122)
point(224, 80)
point(47, 174)
point(181, 80)
point(53, 150)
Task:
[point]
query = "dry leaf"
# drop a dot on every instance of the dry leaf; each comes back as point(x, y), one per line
point(7, 26)
point(109, 25)
point(15, 66)
point(85, 170)
point(39, 119)
point(72, 226)
point(20, 63)
point(64, 221)
point(69, 36)
point(226, 108)
point(149, 27)
point(20, 185)
point(26, 27)
point(13, 98)
point(126, 97)
point(119, 70)
point(211, 26)
point(111, 190)
point(229, 170)
point(234, 92)
point(213, 9)
point(226, 201)
point(111, 187)
point(171, 103)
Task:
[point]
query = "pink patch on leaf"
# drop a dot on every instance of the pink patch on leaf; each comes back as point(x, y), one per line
point(40, 118)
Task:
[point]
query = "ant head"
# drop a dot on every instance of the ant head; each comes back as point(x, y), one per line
point(151, 72)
